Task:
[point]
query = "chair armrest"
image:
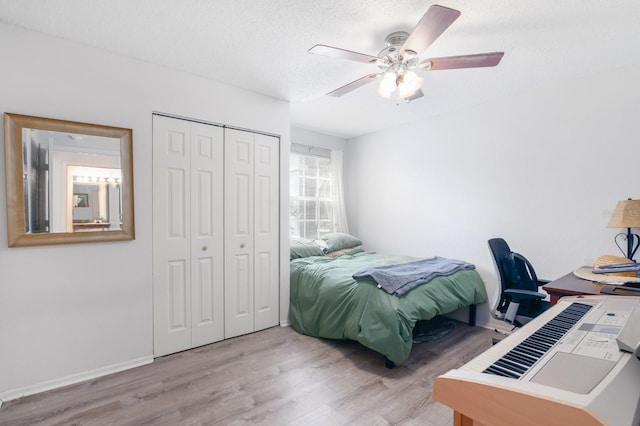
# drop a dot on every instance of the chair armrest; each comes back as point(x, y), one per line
point(517, 294)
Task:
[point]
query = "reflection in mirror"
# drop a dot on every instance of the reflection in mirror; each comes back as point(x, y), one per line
point(95, 202)
point(56, 166)
point(67, 182)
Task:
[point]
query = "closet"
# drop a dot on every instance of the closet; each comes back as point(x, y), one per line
point(215, 233)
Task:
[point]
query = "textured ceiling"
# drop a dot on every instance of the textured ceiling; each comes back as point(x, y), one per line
point(261, 45)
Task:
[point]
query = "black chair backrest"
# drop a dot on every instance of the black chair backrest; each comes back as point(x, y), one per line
point(515, 270)
point(520, 273)
point(499, 249)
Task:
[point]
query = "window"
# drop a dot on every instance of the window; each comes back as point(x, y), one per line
point(310, 195)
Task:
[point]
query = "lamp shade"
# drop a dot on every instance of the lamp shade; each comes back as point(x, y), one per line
point(387, 84)
point(409, 84)
point(626, 215)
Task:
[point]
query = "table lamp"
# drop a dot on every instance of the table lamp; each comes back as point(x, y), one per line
point(627, 215)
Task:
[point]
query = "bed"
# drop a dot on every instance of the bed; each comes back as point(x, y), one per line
point(327, 302)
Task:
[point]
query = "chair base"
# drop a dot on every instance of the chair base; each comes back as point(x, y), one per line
point(512, 311)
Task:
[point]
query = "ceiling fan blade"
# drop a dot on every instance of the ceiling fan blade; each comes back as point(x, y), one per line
point(433, 23)
point(353, 85)
point(321, 49)
point(478, 60)
point(417, 95)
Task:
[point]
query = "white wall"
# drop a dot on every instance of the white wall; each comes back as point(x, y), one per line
point(317, 140)
point(73, 311)
point(544, 170)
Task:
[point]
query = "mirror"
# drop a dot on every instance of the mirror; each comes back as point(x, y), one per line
point(67, 182)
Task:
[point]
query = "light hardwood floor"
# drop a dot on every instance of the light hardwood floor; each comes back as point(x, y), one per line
point(272, 377)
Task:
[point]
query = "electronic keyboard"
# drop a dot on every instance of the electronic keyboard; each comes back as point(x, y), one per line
point(564, 367)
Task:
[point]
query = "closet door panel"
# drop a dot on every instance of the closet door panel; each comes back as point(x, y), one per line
point(240, 299)
point(242, 203)
point(171, 230)
point(207, 233)
point(263, 288)
point(175, 206)
point(266, 234)
point(239, 245)
point(177, 291)
point(204, 300)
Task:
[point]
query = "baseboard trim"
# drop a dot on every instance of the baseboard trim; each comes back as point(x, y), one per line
point(485, 324)
point(73, 379)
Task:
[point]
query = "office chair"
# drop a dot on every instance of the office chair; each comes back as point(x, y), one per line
point(519, 295)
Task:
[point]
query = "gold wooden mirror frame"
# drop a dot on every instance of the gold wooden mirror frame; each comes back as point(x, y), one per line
point(14, 175)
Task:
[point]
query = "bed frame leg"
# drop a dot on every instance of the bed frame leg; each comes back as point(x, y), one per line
point(388, 363)
point(472, 315)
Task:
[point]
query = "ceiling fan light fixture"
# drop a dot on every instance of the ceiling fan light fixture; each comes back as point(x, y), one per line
point(403, 90)
point(418, 94)
point(383, 93)
point(409, 84)
point(387, 84)
point(402, 54)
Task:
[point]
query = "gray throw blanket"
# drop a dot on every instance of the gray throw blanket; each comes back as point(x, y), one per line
point(400, 278)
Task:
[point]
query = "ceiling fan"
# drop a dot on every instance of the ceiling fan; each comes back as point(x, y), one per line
point(400, 57)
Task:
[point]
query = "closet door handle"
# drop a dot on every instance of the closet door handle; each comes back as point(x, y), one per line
point(242, 245)
point(204, 248)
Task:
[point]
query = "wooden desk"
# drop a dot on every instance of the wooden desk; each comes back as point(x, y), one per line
point(571, 285)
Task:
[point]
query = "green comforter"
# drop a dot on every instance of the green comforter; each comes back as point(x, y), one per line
point(327, 302)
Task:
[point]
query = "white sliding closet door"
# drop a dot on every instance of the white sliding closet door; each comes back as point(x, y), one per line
point(188, 228)
point(251, 232)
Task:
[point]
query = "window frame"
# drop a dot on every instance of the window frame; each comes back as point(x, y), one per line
point(323, 223)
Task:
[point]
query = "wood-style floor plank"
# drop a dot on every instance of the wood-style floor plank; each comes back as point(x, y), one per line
point(272, 377)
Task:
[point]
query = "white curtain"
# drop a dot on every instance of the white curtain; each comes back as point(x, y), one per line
point(337, 193)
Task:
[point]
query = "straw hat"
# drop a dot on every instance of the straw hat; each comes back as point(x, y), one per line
point(610, 259)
